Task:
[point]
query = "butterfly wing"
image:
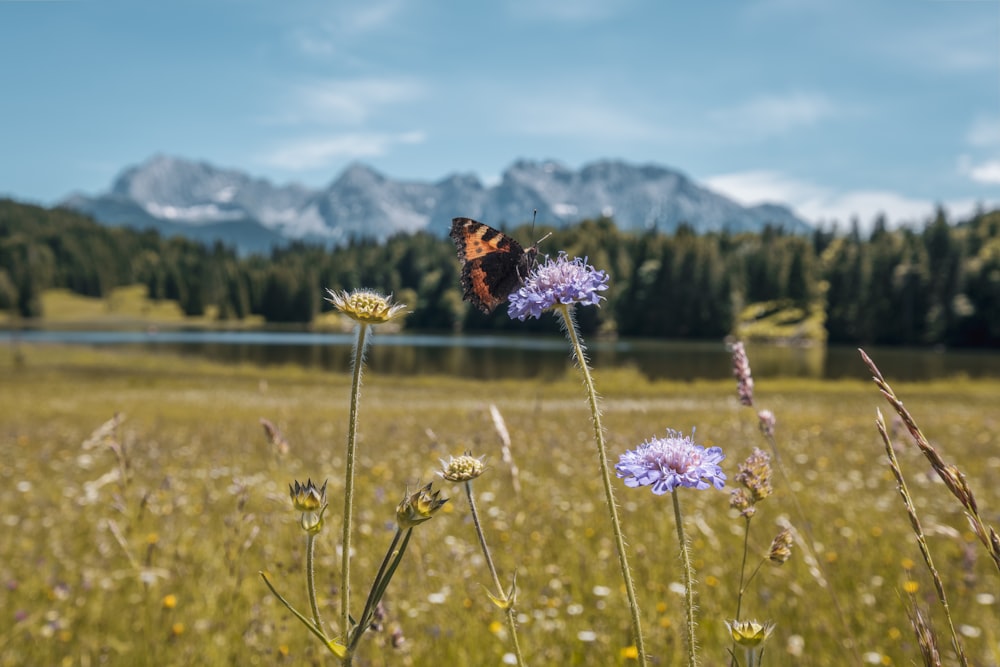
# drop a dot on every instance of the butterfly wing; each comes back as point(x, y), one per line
point(492, 263)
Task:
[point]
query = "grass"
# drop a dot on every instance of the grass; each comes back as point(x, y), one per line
point(162, 570)
point(782, 322)
point(129, 307)
point(124, 307)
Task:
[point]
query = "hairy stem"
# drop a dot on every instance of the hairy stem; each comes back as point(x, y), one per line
point(595, 411)
point(352, 432)
point(688, 583)
point(311, 578)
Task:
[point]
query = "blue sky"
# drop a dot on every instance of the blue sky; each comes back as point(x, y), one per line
point(835, 107)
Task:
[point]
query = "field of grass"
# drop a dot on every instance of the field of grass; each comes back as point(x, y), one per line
point(159, 567)
point(125, 307)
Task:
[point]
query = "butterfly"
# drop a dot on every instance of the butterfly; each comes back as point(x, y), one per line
point(493, 264)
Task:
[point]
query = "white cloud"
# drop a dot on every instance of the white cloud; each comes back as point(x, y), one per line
point(344, 101)
point(322, 152)
point(817, 203)
point(986, 172)
point(759, 187)
point(354, 101)
point(770, 115)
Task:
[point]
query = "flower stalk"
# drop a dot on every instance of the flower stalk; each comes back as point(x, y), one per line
point(413, 510)
point(664, 464)
point(366, 308)
point(360, 344)
point(689, 608)
point(766, 422)
point(579, 352)
point(503, 599)
point(559, 284)
point(465, 469)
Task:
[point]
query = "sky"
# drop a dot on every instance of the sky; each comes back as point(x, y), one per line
point(837, 108)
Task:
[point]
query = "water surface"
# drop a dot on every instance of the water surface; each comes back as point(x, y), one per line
point(526, 356)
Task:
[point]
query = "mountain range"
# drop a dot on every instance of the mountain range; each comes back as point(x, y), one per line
point(201, 201)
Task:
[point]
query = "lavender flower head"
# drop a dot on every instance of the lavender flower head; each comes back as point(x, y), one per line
point(557, 281)
point(741, 370)
point(666, 463)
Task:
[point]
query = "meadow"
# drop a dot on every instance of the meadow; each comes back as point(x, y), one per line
point(142, 546)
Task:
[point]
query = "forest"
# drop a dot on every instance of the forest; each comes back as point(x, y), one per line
point(934, 285)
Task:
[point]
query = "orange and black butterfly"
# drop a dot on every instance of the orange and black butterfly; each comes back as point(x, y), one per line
point(493, 264)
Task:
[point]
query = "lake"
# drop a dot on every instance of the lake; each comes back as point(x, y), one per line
point(524, 356)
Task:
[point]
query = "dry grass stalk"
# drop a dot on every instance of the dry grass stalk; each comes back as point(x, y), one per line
point(949, 474)
point(501, 426)
point(911, 511)
point(275, 437)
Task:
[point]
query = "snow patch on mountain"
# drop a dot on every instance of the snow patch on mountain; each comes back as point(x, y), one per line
point(363, 203)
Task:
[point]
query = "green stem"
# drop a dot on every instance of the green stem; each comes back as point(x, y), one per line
point(595, 411)
point(385, 573)
point(389, 563)
point(688, 583)
point(311, 578)
point(743, 569)
point(333, 647)
point(501, 595)
point(352, 431)
point(743, 583)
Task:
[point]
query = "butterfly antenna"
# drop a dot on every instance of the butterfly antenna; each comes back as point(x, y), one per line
point(534, 215)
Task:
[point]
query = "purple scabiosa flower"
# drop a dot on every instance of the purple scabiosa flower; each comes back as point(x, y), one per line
point(557, 281)
point(666, 463)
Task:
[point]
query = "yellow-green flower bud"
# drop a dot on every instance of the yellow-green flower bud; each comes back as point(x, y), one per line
point(307, 497)
point(750, 634)
point(418, 507)
point(311, 501)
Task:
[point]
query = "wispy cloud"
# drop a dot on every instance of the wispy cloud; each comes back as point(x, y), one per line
point(771, 115)
point(345, 23)
point(984, 133)
point(367, 15)
point(956, 43)
point(784, 6)
point(320, 152)
point(343, 101)
point(819, 203)
point(562, 11)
